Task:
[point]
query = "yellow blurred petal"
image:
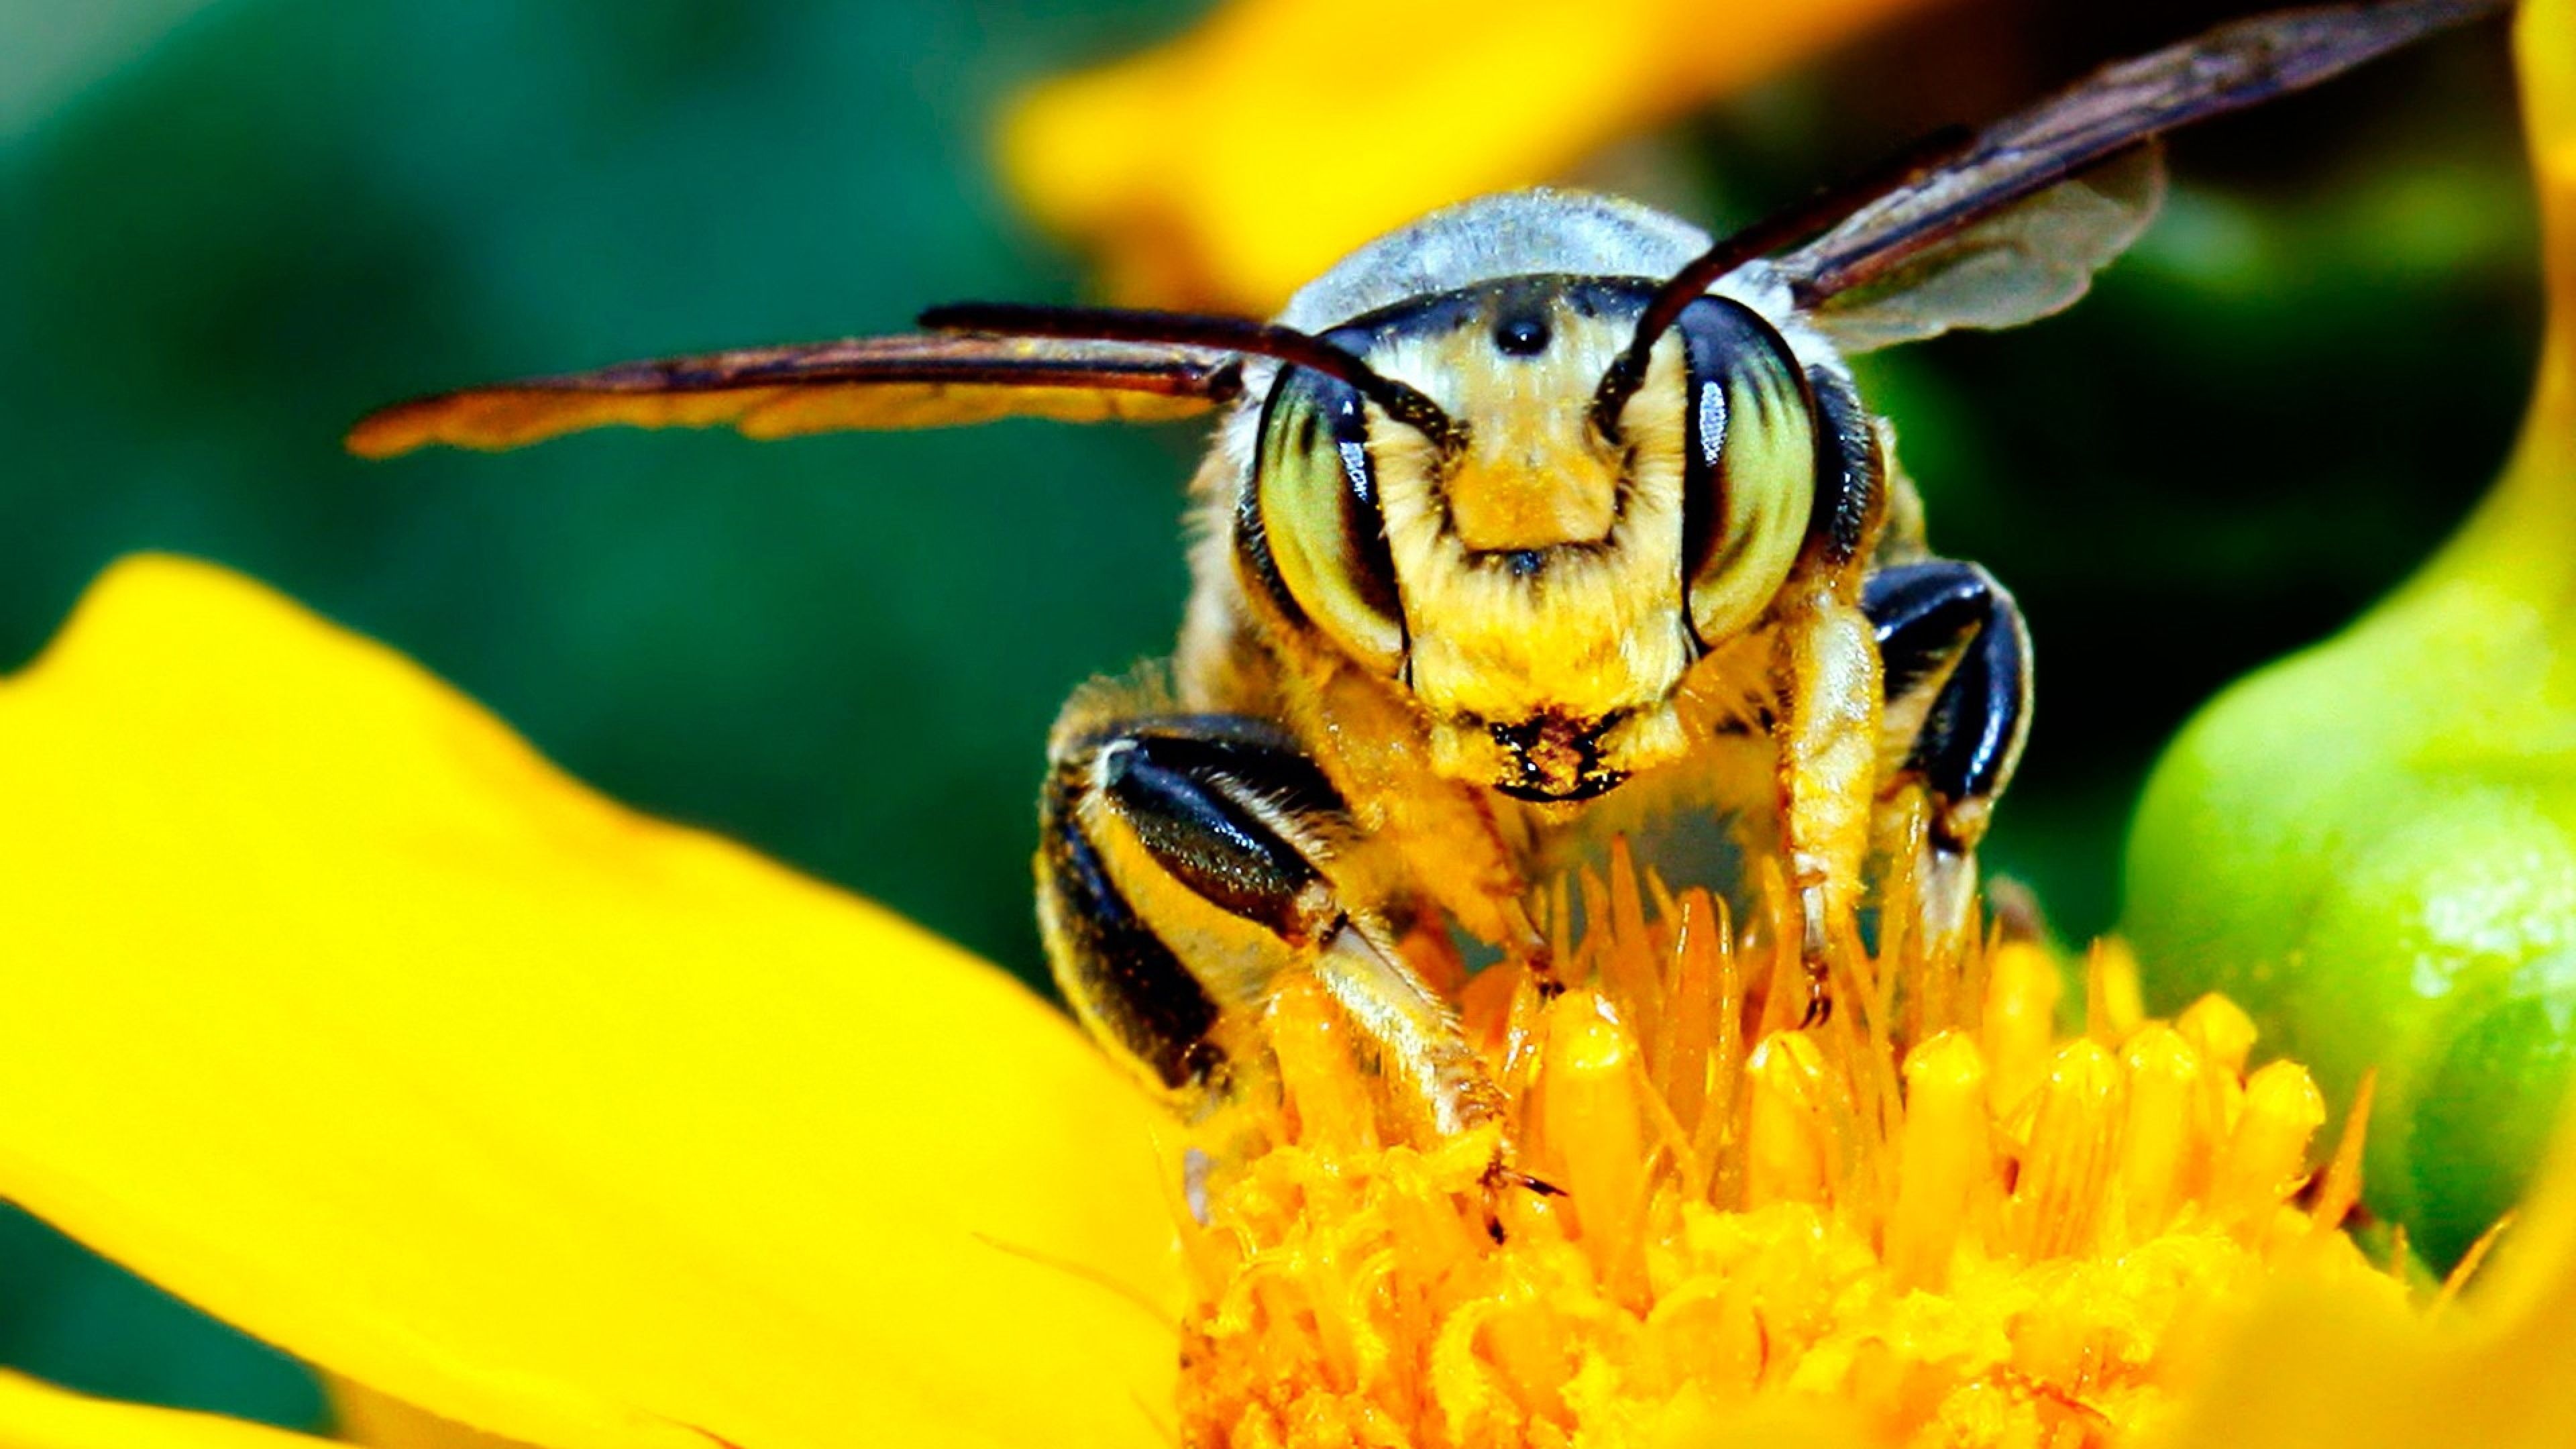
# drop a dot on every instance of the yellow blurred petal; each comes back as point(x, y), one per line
point(337, 1010)
point(1238, 161)
point(360, 1415)
point(36, 1415)
point(2326, 1363)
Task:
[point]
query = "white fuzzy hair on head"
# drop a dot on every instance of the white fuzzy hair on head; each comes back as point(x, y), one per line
point(1513, 234)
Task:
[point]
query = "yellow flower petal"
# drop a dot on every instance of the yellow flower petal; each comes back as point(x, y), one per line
point(1231, 165)
point(36, 1415)
point(2322, 1364)
point(362, 1416)
point(338, 1011)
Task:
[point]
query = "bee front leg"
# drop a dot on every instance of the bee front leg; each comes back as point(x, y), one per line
point(1189, 861)
point(1827, 730)
point(1957, 661)
point(1826, 674)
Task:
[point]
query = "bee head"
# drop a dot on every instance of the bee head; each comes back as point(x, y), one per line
point(1537, 568)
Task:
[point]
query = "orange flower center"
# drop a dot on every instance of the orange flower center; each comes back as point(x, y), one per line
point(1926, 1220)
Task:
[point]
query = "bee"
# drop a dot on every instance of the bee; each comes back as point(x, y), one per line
point(1537, 517)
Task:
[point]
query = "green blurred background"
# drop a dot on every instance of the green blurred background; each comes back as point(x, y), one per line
point(228, 228)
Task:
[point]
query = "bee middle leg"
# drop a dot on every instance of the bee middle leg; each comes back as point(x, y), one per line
point(1189, 860)
point(1956, 658)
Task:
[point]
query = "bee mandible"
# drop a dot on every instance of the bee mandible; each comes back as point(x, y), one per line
point(1530, 519)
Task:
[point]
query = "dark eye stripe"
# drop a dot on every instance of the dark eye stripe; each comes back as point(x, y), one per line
point(1852, 474)
point(1720, 338)
point(1363, 519)
point(1704, 474)
point(1748, 472)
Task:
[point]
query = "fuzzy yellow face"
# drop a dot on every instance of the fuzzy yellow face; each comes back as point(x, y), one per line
point(1540, 588)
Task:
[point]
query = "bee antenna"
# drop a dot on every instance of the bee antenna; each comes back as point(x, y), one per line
point(1798, 222)
point(1405, 404)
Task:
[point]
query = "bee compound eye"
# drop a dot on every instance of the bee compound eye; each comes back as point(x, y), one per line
point(1749, 464)
point(1312, 525)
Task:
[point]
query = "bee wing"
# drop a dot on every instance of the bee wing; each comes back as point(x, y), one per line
point(2012, 228)
point(926, 380)
point(2029, 260)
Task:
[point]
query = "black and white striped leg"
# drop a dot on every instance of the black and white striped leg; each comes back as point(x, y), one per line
point(1955, 657)
point(1188, 861)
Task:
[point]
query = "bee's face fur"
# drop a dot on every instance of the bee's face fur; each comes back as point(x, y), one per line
point(1541, 590)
